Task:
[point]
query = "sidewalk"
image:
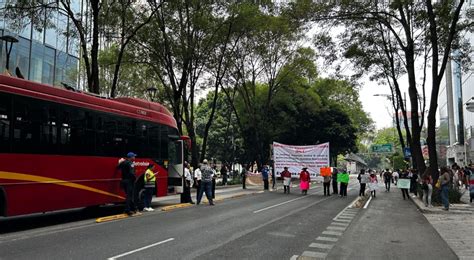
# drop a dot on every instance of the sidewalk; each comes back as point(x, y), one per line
point(455, 226)
point(391, 228)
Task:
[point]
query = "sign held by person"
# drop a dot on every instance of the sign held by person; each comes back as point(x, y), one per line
point(295, 157)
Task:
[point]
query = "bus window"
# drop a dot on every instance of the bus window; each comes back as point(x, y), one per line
point(5, 115)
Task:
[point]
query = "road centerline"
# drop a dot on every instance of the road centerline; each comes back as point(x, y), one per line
point(140, 249)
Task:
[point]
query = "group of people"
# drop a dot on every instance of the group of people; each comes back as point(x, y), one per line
point(204, 180)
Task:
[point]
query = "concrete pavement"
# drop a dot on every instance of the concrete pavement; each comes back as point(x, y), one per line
point(390, 228)
point(262, 226)
point(455, 226)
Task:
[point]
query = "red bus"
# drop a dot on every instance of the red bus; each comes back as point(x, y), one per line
point(59, 148)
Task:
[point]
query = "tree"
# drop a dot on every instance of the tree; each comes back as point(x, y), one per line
point(412, 25)
point(87, 26)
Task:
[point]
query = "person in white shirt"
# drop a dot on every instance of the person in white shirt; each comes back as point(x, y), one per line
point(188, 182)
point(197, 178)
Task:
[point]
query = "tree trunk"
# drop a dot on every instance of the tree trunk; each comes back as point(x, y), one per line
point(417, 154)
point(95, 88)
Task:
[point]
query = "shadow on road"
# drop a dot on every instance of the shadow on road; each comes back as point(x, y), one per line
point(22, 223)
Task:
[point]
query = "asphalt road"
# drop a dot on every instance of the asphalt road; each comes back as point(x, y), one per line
point(259, 226)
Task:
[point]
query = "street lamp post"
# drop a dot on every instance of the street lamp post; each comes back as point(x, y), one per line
point(151, 93)
point(8, 39)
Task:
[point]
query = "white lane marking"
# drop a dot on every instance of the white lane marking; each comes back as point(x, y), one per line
point(367, 203)
point(314, 254)
point(285, 202)
point(339, 224)
point(321, 246)
point(294, 257)
point(343, 220)
point(140, 249)
point(330, 239)
point(336, 228)
point(332, 233)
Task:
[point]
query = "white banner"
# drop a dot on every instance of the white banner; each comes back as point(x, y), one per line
point(295, 157)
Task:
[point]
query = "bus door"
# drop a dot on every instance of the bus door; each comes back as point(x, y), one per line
point(175, 166)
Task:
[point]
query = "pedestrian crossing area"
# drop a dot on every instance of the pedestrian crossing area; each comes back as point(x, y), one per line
point(323, 244)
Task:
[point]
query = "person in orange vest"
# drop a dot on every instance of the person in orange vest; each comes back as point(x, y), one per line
point(304, 180)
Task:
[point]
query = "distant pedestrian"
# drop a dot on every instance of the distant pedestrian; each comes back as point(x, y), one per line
point(363, 180)
point(387, 177)
point(224, 174)
point(286, 175)
point(444, 180)
point(244, 176)
point(214, 180)
point(127, 167)
point(373, 184)
point(197, 179)
point(334, 181)
point(395, 176)
point(427, 187)
point(150, 185)
point(265, 172)
point(272, 170)
point(471, 183)
point(343, 178)
point(327, 185)
point(404, 175)
point(305, 178)
point(206, 183)
point(414, 181)
point(188, 183)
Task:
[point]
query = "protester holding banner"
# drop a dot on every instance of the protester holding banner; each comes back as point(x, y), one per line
point(404, 183)
point(373, 183)
point(304, 180)
point(343, 178)
point(286, 175)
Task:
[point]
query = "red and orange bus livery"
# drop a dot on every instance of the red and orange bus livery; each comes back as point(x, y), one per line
point(59, 148)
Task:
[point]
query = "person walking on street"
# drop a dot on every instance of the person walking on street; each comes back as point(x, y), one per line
point(363, 180)
point(395, 176)
point(334, 181)
point(150, 185)
point(327, 185)
point(206, 183)
point(244, 176)
point(127, 167)
point(373, 182)
point(427, 187)
point(188, 183)
point(214, 177)
point(471, 183)
point(224, 174)
point(197, 179)
point(387, 177)
point(305, 178)
point(444, 179)
point(265, 177)
point(404, 175)
point(286, 175)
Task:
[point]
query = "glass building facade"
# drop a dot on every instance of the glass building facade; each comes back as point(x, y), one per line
point(48, 55)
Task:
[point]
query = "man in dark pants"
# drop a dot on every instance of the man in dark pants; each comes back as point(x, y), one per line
point(334, 181)
point(265, 177)
point(273, 178)
point(206, 183)
point(244, 176)
point(127, 168)
point(387, 176)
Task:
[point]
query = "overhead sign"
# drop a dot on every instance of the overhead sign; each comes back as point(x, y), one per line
point(382, 148)
point(407, 152)
point(295, 157)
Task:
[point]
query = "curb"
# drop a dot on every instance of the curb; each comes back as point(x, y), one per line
point(176, 206)
point(111, 218)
